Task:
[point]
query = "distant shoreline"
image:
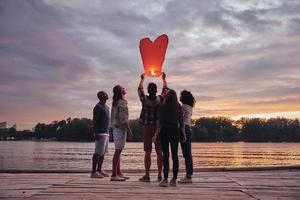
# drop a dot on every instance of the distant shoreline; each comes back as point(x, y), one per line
point(208, 169)
point(205, 129)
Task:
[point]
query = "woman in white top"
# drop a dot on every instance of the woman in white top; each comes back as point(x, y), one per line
point(188, 102)
point(119, 128)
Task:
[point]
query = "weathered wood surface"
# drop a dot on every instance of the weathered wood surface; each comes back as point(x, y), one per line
point(280, 184)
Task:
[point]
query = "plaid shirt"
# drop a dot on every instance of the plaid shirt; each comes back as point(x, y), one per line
point(150, 108)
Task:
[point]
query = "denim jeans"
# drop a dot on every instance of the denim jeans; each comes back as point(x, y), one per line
point(170, 135)
point(187, 151)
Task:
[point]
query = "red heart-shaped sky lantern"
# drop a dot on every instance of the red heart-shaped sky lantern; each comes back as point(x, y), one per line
point(153, 54)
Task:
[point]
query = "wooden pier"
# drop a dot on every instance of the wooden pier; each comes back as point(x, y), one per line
point(269, 184)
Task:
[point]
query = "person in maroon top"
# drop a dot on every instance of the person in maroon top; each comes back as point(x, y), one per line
point(149, 118)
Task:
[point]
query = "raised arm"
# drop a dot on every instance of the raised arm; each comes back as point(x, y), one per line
point(141, 85)
point(141, 92)
point(165, 85)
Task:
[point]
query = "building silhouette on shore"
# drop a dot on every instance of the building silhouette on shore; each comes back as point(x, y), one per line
point(3, 125)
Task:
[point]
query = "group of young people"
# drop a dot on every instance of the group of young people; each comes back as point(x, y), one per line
point(166, 123)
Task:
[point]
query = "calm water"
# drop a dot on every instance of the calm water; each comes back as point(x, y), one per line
point(75, 155)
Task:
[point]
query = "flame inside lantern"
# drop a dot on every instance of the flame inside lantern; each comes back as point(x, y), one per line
point(153, 72)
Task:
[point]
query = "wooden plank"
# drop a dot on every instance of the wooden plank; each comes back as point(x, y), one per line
point(18, 193)
point(275, 194)
point(284, 184)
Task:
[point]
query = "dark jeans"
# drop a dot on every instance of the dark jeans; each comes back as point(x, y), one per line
point(170, 135)
point(187, 151)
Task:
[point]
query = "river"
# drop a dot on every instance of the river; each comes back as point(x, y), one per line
point(77, 155)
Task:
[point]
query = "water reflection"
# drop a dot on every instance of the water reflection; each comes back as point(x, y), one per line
point(74, 155)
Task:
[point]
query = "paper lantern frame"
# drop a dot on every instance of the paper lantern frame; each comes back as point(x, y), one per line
point(153, 54)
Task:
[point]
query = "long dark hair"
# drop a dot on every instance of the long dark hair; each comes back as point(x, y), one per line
point(186, 97)
point(171, 107)
point(117, 90)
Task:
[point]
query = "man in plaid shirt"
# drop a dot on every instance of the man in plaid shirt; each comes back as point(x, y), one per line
point(149, 118)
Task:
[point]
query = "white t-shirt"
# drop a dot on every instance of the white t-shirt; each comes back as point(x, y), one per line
point(187, 112)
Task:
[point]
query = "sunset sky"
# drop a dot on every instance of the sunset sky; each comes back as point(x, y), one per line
point(239, 58)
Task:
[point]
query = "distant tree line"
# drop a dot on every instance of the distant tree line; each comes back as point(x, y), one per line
point(205, 129)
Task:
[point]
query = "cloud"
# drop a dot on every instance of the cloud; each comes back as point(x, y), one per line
point(249, 19)
point(295, 25)
point(56, 55)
